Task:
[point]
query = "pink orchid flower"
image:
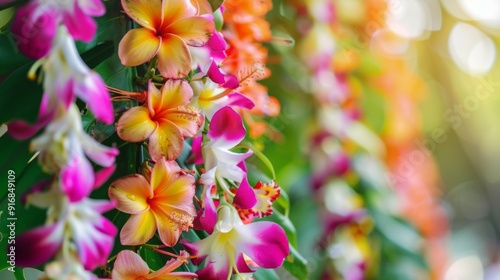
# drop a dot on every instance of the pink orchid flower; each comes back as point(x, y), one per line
point(225, 132)
point(130, 266)
point(210, 97)
point(73, 220)
point(35, 24)
point(65, 77)
point(265, 243)
point(167, 30)
point(208, 58)
point(63, 148)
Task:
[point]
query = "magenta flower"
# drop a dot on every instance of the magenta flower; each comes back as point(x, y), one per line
point(265, 243)
point(225, 132)
point(78, 222)
point(35, 24)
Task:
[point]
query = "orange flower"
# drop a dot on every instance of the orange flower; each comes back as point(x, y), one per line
point(165, 203)
point(166, 119)
point(168, 27)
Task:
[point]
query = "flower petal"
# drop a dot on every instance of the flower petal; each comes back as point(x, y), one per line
point(167, 228)
point(164, 173)
point(103, 175)
point(245, 196)
point(135, 125)
point(239, 100)
point(209, 217)
point(138, 229)
point(138, 46)
point(77, 177)
point(38, 245)
point(94, 240)
point(174, 59)
point(272, 246)
point(226, 128)
point(80, 26)
point(166, 141)
point(129, 266)
point(93, 8)
point(173, 93)
point(187, 119)
point(100, 154)
point(195, 31)
point(22, 130)
point(174, 10)
point(177, 276)
point(178, 194)
point(131, 194)
point(34, 30)
point(144, 12)
point(92, 91)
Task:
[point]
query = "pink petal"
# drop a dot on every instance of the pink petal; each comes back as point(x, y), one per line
point(215, 74)
point(94, 242)
point(211, 271)
point(34, 30)
point(93, 8)
point(242, 265)
point(22, 130)
point(77, 177)
point(239, 100)
point(226, 128)
point(230, 81)
point(272, 246)
point(192, 249)
point(208, 218)
point(245, 196)
point(37, 246)
point(196, 150)
point(92, 91)
point(217, 42)
point(80, 26)
point(100, 154)
point(129, 265)
point(103, 175)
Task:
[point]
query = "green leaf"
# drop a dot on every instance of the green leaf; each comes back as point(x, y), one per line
point(215, 4)
point(218, 19)
point(264, 274)
point(296, 264)
point(260, 155)
point(19, 97)
point(284, 202)
point(10, 56)
point(98, 54)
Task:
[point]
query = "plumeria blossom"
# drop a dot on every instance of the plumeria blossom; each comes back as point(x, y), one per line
point(164, 203)
point(65, 77)
point(210, 97)
point(167, 30)
point(166, 119)
point(36, 23)
point(265, 243)
point(130, 266)
point(63, 148)
point(74, 226)
point(225, 132)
